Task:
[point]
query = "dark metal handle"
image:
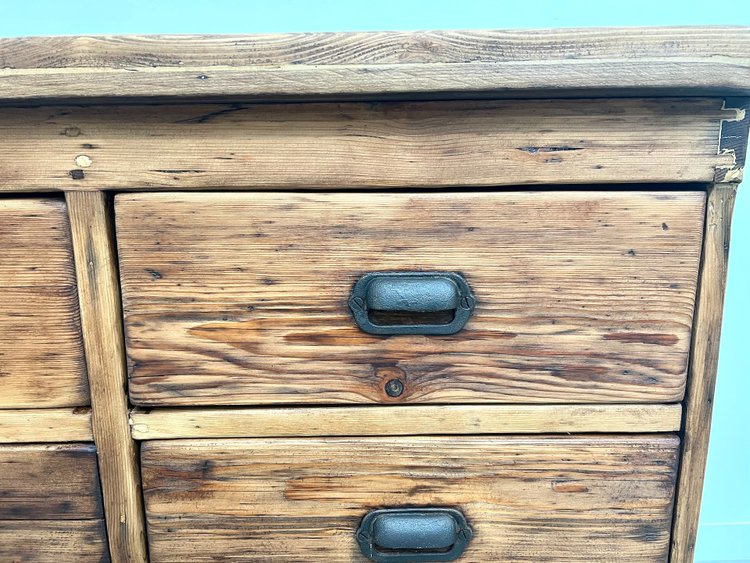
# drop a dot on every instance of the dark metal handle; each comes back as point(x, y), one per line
point(411, 302)
point(413, 534)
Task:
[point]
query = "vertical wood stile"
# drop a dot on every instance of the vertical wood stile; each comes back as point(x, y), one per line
point(702, 372)
point(101, 319)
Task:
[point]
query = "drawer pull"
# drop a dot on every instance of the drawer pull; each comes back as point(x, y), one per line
point(391, 303)
point(413, 534)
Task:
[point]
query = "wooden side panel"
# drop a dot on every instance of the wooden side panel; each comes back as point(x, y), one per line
point(527, 499)
point(101, 315)
point(703, 370)
point(41, 355)
point(358, 145)
point(582, 297)
point(50, 504)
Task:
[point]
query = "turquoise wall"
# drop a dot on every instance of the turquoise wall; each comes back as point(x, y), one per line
point(725, 520)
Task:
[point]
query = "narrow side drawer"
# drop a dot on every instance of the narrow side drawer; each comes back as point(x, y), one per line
point(41, 351)
point(50, 504)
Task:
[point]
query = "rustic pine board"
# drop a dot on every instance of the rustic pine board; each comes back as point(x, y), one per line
point(391, 145)
point(582, 297)
point(170, 423)
point(101, 316)
point(41, 355)
point(567, 62)
point(50, 506)
point(527, 499)
point(45, 425)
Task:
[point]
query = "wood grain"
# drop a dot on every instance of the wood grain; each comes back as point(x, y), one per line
point(345, 65)
point(45, 425)
point(527, 499)
point(386, 145)
point(101, 315)
point(50, 506)
point(582, 297)
point(699, 397)
point(41, 355)
point(166, 423)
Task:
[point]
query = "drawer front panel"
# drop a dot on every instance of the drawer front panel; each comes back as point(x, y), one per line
point(526, 499)
point(50, 506)
point(41, 354)
point(243, 298)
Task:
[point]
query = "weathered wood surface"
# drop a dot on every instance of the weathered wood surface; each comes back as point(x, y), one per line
point(171, 423)
point(101, 315)
point(345, 65)
point(527, 499)
point(45, 425)
point(582, 297)
point(390, 144)
point(699, 397)
point(50, 506)
point(41, 355)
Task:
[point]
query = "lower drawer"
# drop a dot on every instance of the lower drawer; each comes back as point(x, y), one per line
point(604, 498)
point(50, 504)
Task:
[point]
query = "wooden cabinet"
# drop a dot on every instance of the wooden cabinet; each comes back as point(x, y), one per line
point(404, 296)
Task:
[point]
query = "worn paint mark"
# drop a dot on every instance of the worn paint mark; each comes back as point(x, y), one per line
point(733, 137)
point(180, 171)
point(83, 161)
point(569, 488)
point(551, 148)
point(206, 117)
point(643, 338)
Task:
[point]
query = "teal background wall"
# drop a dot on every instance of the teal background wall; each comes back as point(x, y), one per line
point(725, 519)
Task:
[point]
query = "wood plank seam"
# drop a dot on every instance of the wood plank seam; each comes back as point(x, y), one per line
point(101, 316)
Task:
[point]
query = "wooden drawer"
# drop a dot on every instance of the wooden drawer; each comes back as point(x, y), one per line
point(526, 499)
point(581, 297)
point(41, 354)
point(50, 504)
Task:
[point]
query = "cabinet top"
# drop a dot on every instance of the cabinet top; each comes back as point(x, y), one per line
point(678, 61)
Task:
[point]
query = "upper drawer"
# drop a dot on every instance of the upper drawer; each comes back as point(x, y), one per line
point(41, 353)
point(243, 298)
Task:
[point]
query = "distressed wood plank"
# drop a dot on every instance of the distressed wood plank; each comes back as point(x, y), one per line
point(527, 499)
point(344, 65)
point(582, 297)
point(46, 425)
point(53, 541)
point(50, 506)
point(703, 369)
point(386, 145)
point(166, 423)
point(41, 355)
point(96, 266)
